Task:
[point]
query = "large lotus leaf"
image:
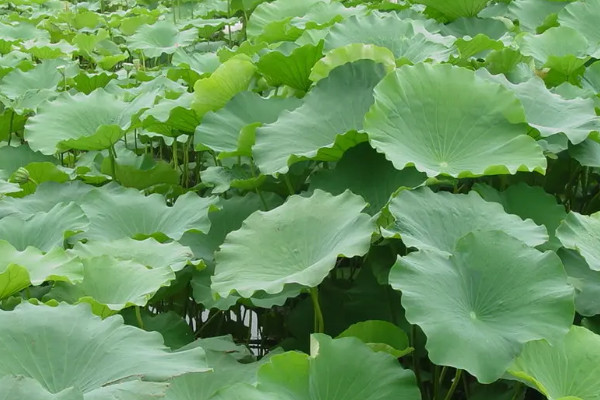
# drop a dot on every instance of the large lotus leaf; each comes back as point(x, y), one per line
point(110, 284)
point(270, 20)
point(380, 336)
point(162, 37)
point(13, 158)
point(80, 350)
point(40, 172)
point(8, 187)
point(551, 113)
point(479, 304)
point(567, 370)
point(337, 369)
point(128, 213)
point(351, 53)
point(20, 387)
point(301, 133)
point(585, 281)
point(221, 179)
point(457, 8)
point(587, 153)
point(43, 230)
point(533, 13)
point(367, 173)
point(582, 16)
point(528, 202)
point(392, 32)
point(445, 120)
point(230, 130)
point(129, 390)
point(46, 197)
point(448, 217)
point(559, 41)
point(13, 279)
point(169, 116)
point(201, 63)
point(291, 68)
point(232, 77)
point(174, 329)
point(84, 122)
point(43, 76)
point(22, 31)
point(54, 265)
point(305, 236)
point(475, 26)
point(591, 77)
point(148, 252)
point(582, 233)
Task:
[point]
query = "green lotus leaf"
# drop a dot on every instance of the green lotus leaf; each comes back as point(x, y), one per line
point(583, 17)
point(556, 43)
point(139, 172)
point(169, 117)
point(232, 77)
point(200, 63)
point(591, 77)
point(270, 21)
point(230, 130)
point(307, 236)
point(13, 158)
point(20, 387)
point(477, 46)
point(173, 328)
point(448, 217)
point(39, 172)
point(128, 213)
point(43, 230)
point(337, 369)
point(148, 252)
point(528, 202)
point(301, 133)
point(44, 49)
point(82, 351)
point(551, 113)
point(13, 279)
point(21, 32)
point(161, 37)
point(110, 284)
point(355, 171)
point(486, 304)
point(10, 120)
point(562, 371)
point(456, 9)
point(238, 176)
point(130, 390)
point(8, 187)
point(587, 153)
point(351, 53)
point(380, 336)
point(405, 40)
point(291, 67)
point(582, 233)
point(445, 120)
point(84, 122)
point(55, 265)
point(46, 197)
point(244, 391)
point(533, 13)
point(43, 76)
point(474, 26)
point(585, 281)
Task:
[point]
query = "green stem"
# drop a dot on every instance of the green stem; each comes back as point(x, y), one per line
point(454, 384)
point(138, 316)
point(436, 382)
point(258, 191)
point(319, 321)
point(113, 162)
point(175, 155)
point(415, 357)
point(186, 162)
point(10, 125)
point(518, 391)
point(288, 183)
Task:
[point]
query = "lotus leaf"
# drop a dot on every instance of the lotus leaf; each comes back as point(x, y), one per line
point(582, 233)
point(161, 37)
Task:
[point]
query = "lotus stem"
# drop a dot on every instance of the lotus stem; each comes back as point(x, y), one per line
point(113, 162)
point(319, 321)
point(138, 316)
point(288, 183)
point(455, 382)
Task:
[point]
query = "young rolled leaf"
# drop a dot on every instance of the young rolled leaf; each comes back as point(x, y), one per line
point(564, 370)
point(482, 302)
point(445, 120)
point(448, 217)
point(582, 233)
point(305, 237)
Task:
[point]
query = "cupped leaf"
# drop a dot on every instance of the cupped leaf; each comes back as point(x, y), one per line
point(479, 304)
point(528, 202)
point(582, 233)
point(162, 37)
point(270, 20)
point(585, 281)
point(337, 369)
point(43, 230)
point(565, 370)
point(229, 79)
point(230, 131)
point(128, 213)
point(351, 53)
point(84, 122)
point(445, 120)
point(551, 113)
point(291, 68)
point(380, 336)
point(110, 284)
point(405, 40)
point(305, 236)
point(448, 217)
point(80, 350)
point(456, 9)
point(367, 173)
point(301, 133)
